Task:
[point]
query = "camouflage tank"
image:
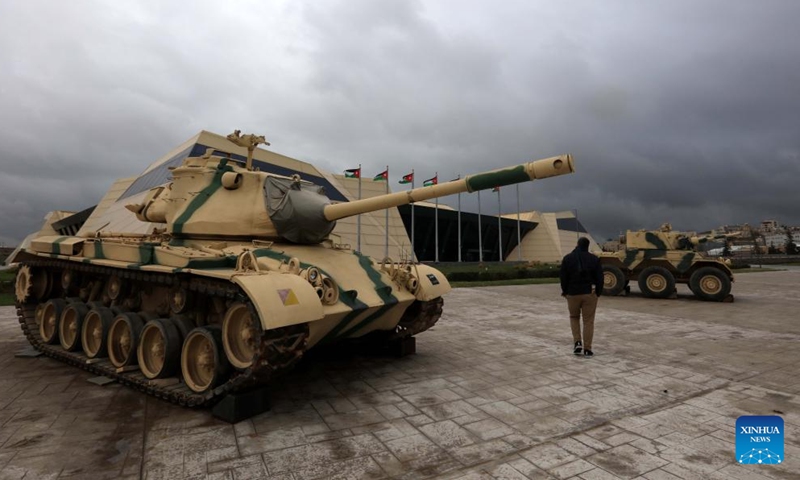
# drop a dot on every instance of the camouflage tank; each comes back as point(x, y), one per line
point(660, 259)
point(237, 281)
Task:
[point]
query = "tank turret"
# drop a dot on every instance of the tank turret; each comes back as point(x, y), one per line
point(233, 283)
point(214, 197)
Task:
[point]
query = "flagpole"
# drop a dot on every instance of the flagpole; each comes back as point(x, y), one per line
point(459, 223)
point(480, 235)
point(386, 252)
point(358, 220)
point(436, 222)
point(413, 251)
point(499, 226)
point(519, 235)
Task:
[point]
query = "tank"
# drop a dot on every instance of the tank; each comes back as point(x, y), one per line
point(237, 280)
point(660, 259)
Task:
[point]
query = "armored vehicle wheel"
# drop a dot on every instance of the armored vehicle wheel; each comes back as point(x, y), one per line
point(203, 361)
point(94, 334)
point(69, 328)
point(159, 349)
point(50, 316)
point(239, 333)
point(123, 339)
point(656, 282)
point(32, 284)
point(115, 287)
point(613, 280)
point(710, 283)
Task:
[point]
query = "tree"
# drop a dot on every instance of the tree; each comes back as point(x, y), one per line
point(791, 247)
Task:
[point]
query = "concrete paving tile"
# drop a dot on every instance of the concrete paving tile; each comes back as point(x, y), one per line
point(419, 420)
point(650, 446)
point(407, 409)
point(352, 419)
point(412, 447)
point(471, 418)
point(620, 438)
point(390, 465)
point(626, 461)
point(356, 468)
point(306, 456)
point(399, 428)
point(504, 471)
point(448, 434)
point(474, 476)
point(572, 469)
point(448, 410)
point(591, 442)
point(252, 471)
point(233, 463)
point(507, 413)
point(481, 452)
point(275, 440)
point(597, 474)
point(489, 428)
point(660, 475)
point(603, 431)
point(548, 456)
point(220, 454)
point(526, 468)
point(575, 447)
point(376, 399)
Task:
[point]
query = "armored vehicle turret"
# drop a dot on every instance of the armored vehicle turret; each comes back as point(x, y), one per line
point(237, 278)
point(660, 259)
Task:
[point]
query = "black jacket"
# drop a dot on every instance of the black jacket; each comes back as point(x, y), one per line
point(579, 270)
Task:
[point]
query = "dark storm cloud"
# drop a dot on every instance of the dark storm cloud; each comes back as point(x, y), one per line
point(685, 112)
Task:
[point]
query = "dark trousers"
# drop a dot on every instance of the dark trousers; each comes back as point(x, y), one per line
point(586, 305)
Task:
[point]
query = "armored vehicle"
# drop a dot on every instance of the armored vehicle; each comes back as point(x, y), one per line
point(238, 277)
point(659, 259)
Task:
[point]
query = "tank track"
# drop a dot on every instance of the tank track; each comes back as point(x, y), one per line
point(276, 350)
point(418, 317)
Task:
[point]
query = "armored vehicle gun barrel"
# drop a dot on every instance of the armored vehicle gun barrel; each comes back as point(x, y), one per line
point(548, 167)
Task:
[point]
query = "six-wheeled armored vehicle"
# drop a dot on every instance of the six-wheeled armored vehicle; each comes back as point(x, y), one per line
point(660, 259)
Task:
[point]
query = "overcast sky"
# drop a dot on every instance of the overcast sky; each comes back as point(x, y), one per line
point(679, 111)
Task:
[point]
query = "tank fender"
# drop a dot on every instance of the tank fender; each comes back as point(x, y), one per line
point(432, 283)
point(281, 299)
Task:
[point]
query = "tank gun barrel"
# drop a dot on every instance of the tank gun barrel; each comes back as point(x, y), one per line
point(548, 167)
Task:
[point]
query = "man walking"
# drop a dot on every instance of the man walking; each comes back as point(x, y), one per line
point(579, 271)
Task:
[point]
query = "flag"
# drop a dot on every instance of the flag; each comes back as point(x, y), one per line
point(431, 181)
point(496, 189)
point(381, 177)
point(407, 178)
point(353, 173)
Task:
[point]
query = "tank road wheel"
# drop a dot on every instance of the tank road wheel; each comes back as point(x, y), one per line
point(203, 361)
point(115, 287)
point(94, 334)
point(710, 283)
point(69, 328)
point(656, 282)
point(50, 315)
point(123, 339)
point(32, 284)
point(159, 349)
point(239, 331)
point(613, 280)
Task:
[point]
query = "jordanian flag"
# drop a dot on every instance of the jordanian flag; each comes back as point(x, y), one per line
point(353, 173)
point(431, 181)
point(496, 189)
point(407, 178)
point(382, 177)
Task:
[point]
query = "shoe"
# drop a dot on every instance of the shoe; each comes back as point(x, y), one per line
point(588, 353)
point(578, 348)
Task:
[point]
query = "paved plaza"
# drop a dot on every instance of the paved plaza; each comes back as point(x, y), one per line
point(492, 393)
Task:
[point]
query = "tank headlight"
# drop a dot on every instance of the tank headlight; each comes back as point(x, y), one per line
point(313, 275)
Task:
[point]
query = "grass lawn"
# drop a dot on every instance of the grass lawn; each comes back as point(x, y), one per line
point(498, 283)
point(6, 299)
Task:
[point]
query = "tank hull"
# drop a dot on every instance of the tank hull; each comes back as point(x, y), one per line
point(189, 288)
